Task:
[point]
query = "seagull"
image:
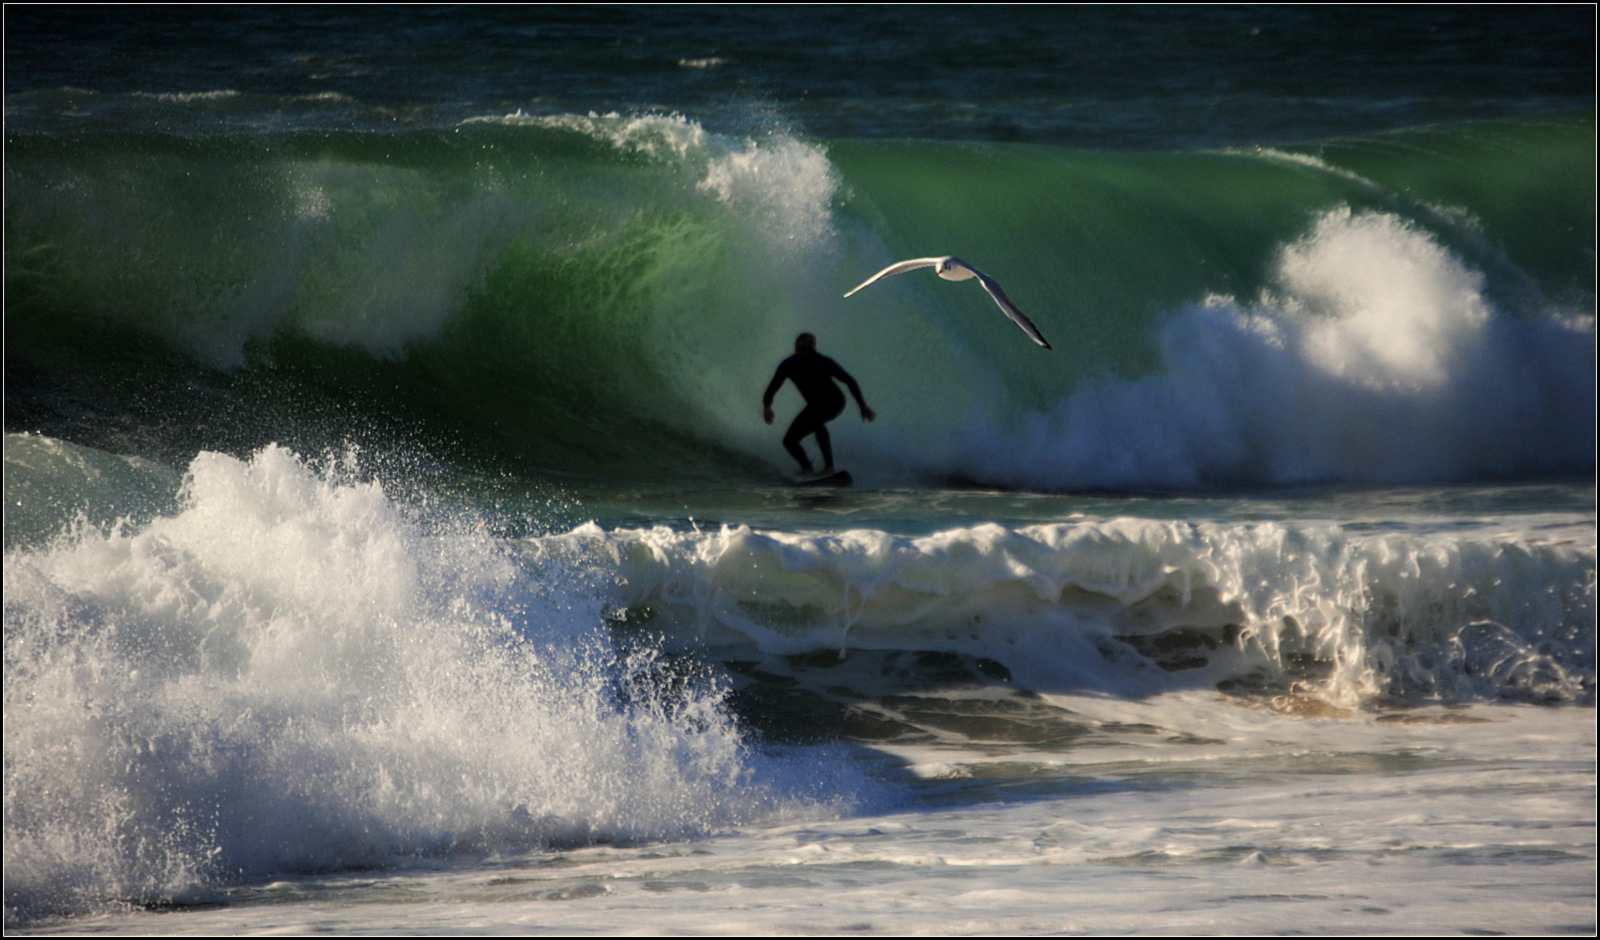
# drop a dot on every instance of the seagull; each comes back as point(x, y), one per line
point(954, 269)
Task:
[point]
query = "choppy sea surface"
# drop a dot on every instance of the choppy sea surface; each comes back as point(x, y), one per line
point(393, 542)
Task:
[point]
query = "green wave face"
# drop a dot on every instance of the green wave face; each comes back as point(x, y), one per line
point(608, 296)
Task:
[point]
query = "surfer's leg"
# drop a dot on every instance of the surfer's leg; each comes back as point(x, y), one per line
point(824, 415)
point(791, 440)
point(826, 446)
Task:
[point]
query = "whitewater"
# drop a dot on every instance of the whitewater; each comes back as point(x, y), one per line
point(393, 542)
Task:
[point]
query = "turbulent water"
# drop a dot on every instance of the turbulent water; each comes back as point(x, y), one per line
point(389, 516)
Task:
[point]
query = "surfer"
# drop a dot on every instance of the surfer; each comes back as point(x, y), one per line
point(813, 374)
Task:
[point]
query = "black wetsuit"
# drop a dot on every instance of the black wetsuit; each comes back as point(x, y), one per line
point(813, 374)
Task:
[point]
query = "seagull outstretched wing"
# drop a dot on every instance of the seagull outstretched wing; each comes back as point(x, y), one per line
point(899, 267)
point(1017, 316)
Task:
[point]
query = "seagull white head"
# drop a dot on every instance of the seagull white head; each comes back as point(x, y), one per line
point(954, 269)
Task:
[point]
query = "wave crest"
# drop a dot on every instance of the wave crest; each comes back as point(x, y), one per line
point(1377, 357)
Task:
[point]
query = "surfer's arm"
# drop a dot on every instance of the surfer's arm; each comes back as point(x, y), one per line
point(772, 390)
point(855, 389)
point(773, 386)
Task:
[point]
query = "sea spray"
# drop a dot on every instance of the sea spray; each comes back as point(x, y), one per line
point(292, 672)
point(1377, 358)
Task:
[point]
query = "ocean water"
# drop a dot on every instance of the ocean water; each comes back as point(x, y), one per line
point(393, 542)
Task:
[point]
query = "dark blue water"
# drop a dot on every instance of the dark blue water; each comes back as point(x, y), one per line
point(1143, 77)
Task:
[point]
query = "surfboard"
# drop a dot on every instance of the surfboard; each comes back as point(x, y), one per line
point(836, 478)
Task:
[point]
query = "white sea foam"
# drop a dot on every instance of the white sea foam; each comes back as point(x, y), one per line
point(1308, 607)
point(790, 185)
point(190, 97)
point(1378, 357)
point(660, 136)
point(289, 675)
point(786, 184)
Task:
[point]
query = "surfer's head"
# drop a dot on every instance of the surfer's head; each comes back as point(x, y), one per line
point(805, 343)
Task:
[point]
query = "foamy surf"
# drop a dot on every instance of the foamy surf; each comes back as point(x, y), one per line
point(292, 673)
point(1135, 607)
